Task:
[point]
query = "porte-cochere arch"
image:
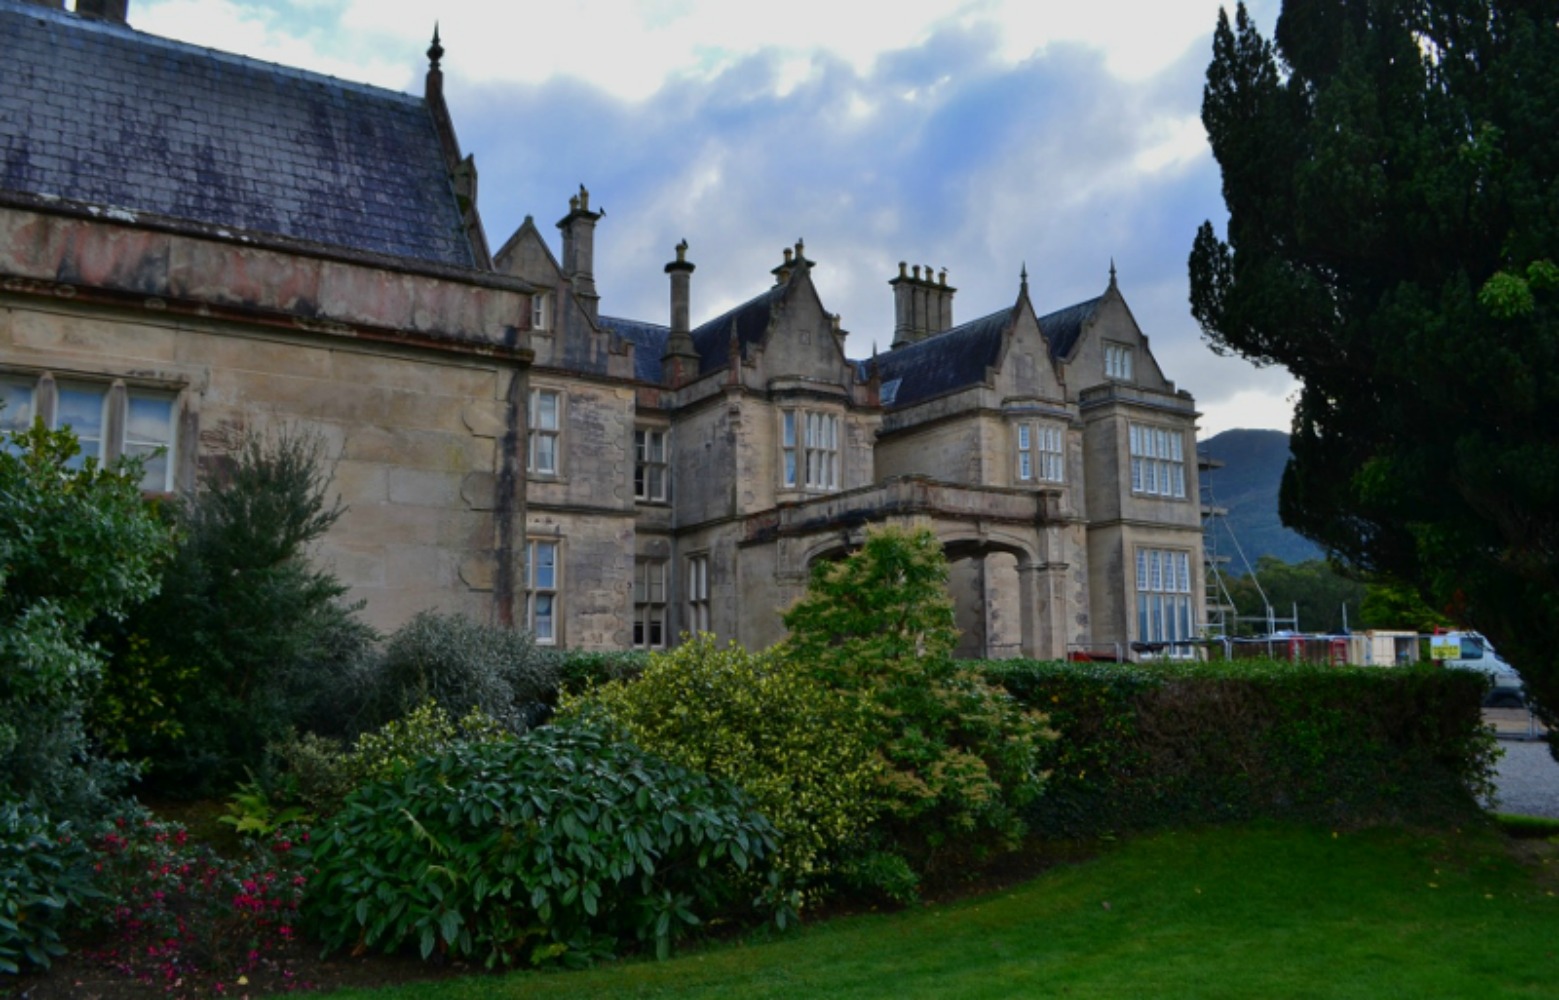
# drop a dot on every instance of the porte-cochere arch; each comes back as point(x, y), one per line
point(1010, 552)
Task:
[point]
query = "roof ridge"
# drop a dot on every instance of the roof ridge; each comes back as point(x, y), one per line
point(76, 22)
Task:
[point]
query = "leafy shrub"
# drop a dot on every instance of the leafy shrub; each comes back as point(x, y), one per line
point(315, 770)
point(580, 670)
point(76, 544)
point(799, 748)
point(560, 844)
point(43, 874)
point(180, 915)
point(1149, 747)
point(962, 757)
point(252, 637)
point(463, 665)
point(427, 731)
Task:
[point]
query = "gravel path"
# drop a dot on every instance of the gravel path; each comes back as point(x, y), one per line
point(1528, 780)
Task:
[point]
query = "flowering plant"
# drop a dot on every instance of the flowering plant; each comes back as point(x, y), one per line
point(181, 915)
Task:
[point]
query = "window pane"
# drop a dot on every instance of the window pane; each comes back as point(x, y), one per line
point(547, 411)
point(542, 625)
point(16, 405)
point(544, 566)
point(81, 409)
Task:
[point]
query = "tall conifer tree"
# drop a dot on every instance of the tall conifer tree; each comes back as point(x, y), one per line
point(1391, 169)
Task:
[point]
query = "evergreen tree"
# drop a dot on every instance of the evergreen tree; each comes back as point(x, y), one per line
point(1390, 172)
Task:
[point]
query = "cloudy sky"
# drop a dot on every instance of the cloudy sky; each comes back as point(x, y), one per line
point(976, 135)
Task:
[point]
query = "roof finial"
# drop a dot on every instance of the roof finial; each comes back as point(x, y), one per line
point(435, 51)
point(1023, 279)
point(1112, 272)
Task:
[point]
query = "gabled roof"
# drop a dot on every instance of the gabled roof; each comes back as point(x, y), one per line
point(649, 343)
point(1062, 327)
point(946, 362)
point(99, 114)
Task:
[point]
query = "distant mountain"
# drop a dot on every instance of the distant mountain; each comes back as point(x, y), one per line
point(1247, 487)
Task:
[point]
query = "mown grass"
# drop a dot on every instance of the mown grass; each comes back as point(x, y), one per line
point(1264, 911)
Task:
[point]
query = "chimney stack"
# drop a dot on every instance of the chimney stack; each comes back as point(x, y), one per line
point(579, 251)
point(113, 11)
point(679, 362)
point(922, 304)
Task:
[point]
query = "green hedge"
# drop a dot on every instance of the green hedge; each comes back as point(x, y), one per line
point(1145, 746)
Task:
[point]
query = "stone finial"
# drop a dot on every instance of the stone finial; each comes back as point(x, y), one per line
point(1023, 279)
point(942, 278)
point(789, 255)
point(584, 199)
point(682, 251)
point(435, 51)
point(903, 269)
point(1112, 272)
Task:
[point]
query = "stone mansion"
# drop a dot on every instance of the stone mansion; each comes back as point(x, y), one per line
point(194, 243)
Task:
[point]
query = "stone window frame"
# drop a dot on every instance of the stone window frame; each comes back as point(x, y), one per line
point(1119, 361)
point(697, 593)
point(648, 471)
point(545, 436)
point(809, 449)
point(118, 430)
point(1165, 605)
point(651, 590)
point(543, 590)
point(1157, 461)
point(1040, 446)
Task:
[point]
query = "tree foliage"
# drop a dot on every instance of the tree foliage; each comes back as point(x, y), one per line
point(1391, 169)
point(1313, 589)
point(77, 543)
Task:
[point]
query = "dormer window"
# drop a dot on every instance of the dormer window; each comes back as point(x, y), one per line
point(1117, 362)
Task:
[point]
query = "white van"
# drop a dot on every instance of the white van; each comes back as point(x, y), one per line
point(1471, 651)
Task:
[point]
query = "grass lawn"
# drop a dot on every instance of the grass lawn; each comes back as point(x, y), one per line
point(1244, 912)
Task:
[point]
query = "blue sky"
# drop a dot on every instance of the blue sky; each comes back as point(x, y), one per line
point(980, 136)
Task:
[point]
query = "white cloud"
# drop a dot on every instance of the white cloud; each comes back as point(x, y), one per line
point(978, 135)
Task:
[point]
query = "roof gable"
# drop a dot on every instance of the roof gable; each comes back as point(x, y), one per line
point(99, 114)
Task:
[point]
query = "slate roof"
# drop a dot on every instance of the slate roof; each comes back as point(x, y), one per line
point(649, 343)
point(98, 113)
point(951, 360)
point(713, 339)
point(1062, 327)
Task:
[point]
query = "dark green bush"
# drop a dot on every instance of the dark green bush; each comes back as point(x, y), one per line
point(464, 666)
point(579, 670)
point(561, 844)
point(250, 637)
point(44, 871)
point(1150, 746)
